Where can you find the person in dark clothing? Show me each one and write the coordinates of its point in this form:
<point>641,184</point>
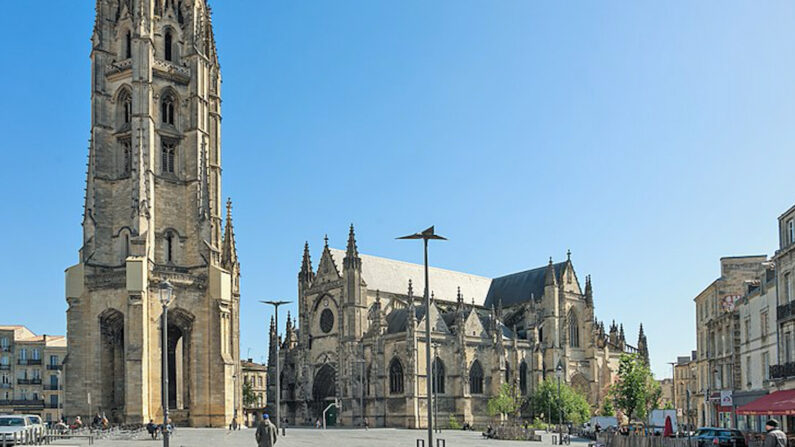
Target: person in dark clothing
<point>151,428</point>
<point>774,436</point>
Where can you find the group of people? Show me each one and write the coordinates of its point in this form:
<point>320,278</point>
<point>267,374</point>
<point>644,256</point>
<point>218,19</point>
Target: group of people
<point>155,429</point>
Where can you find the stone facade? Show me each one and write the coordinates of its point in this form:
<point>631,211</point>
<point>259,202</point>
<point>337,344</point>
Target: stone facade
<point>685,383</point>
<point>718,336</point>
<point>256,376</point>
<point>359,339</point>
<point>30,372</point>
<point>153,212</point>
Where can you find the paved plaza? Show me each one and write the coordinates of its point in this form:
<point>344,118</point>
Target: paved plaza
<point>299,437</point>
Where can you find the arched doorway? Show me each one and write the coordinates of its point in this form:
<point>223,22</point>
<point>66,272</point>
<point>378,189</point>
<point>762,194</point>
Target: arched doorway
<point>111,330</point>
<point>324,391</point>
<point>180,325</point>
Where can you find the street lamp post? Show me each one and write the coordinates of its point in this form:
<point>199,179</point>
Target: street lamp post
<point>427,235</point>
<point>234,399</point>
<point>276,305</point>
<point>436,383</point>
<point>166,292</point>
<point>559,373</point>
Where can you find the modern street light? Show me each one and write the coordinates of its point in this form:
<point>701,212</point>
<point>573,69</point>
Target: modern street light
<point>559,373</point>
<point>427,235</point>
<point>276,305</point>
<point>166,292</point>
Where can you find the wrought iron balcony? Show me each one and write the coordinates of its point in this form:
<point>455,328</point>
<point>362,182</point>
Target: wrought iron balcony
<point>5,386</point>
<point>52,405</point>
<point>782,371</point>
<point>5,367</point>
<point>51,387</point>
<point>29,381</point>
<point>785,311</point>
<point>54,367</point>
<point>22,403</point>
<point>5,348</point>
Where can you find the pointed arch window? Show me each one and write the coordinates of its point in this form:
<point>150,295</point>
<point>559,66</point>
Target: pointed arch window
<point>438,376</point>
<point>523,378</point>
<point>169,247</point>
<point>125,108</point>
<point>167,109</point>
<point>476,378</point>
<point>574,330</point>
<point>507,372</point>
<point>167,157</point>
<point>167,46</point>
<point>395,377</point>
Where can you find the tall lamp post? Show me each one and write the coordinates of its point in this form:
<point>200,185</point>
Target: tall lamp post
<point>427,235</point>
<point>276,305</point>
<point>559,373</point>
<point>436,386</point>
<point>166,292</point>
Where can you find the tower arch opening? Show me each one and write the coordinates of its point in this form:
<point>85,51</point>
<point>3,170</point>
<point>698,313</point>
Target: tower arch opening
<point>112,374</point>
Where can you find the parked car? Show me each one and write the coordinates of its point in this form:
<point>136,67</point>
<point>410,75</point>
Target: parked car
<point>36,425</point>
<point>13,427</point>
<point>719,437</point>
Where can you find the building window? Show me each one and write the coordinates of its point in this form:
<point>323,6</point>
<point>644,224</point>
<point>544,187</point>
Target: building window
<point>476,378</point>
<point>169,247</point>
<point>125,107</point>
<point>128,45</point>
<point>167,159</point>
<point>763,324</point>
<point>574,330</point>
<point>23,354</point>
<point>787,288</point>
<point>748,371</point>
<point>395,377</point>
<point>326,321</point>
<point>4,343</point>
<point>791,231</point>
<point>167,44</point>
<point>523,378</point>
<point>766,365</point>
<point>438,376</point>
<point>36,354</point>
<point>126,161</point>
<point>167,109</point>
<point>747,323</point>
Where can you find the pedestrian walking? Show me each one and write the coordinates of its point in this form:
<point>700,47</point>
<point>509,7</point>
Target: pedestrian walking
<point>774,436</point>
<point>366,424</point>
<point>266,432</point>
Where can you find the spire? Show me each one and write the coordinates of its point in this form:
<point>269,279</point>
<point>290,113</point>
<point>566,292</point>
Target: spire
<point>306,273</point>
<point>643,347</point>
<point>411,296</point>
<point>568,256</point>
<point>621,333</point>
<point>412,310</point>
<point>588,291</point>
<point>459,298</point>
<point>499,308</point>
<point>229,253</point>
<point>352,260</point>
<point>549,276</point>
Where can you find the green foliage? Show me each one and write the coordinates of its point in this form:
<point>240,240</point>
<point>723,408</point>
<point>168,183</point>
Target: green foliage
<point>574,406</point>
<point>249,398</point>
<point>607,407</point>
<point>635,392</point>
<point>453,424</point>
<point>668,406</point>
<point>507,402</point>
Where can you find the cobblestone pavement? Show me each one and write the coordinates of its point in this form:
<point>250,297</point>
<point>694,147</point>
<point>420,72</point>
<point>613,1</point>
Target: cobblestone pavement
<point>299,437</point>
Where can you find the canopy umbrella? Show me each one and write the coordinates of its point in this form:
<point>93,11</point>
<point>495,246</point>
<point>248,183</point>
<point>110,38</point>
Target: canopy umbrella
<point>668,430</point>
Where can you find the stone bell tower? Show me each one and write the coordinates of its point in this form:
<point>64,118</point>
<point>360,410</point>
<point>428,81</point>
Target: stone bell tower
<point>153,212</point>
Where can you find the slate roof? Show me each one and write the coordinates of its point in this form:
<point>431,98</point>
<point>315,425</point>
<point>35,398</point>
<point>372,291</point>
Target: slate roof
<point>519,287</point>
<point>389,275</point>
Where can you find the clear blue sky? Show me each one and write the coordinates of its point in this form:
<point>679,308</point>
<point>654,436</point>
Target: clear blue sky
<point>650,138</point>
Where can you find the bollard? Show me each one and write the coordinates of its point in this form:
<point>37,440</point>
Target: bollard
<point>554,440</point>
<point>420,443</point>
<point>441,442</point>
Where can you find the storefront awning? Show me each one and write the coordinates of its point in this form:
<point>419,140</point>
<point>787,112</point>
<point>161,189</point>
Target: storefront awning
<point>776,403</point>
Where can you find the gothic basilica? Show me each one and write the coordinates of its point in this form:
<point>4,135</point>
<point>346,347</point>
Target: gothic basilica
<point>358,340</point>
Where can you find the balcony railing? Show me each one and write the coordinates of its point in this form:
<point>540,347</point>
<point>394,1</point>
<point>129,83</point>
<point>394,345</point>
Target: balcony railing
<point>22,403</point>
<point>29,362</point>
<point>5,367</point>
<point>54,367</point>
<point>5,348</point>
<point>782,371</point>
<point>50,387</point>
<point>5,386</point>
<point>29,381</point>
<point>52,405</point>
<point>785,311</point>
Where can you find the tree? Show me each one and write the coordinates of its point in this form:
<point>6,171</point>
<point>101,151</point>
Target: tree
<point>249,397</point>
<point>668,406</point>
<point>574,405</point>
<point>635,392</point>
<point>506,402</point>
<point>607,407</point>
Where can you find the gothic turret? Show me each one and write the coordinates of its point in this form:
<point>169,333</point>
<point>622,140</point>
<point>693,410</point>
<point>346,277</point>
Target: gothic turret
<point>352,260</point>
<point>306,275</point>
<point>229,251</point>
<point>643,348</point>
<point>588,291</point>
